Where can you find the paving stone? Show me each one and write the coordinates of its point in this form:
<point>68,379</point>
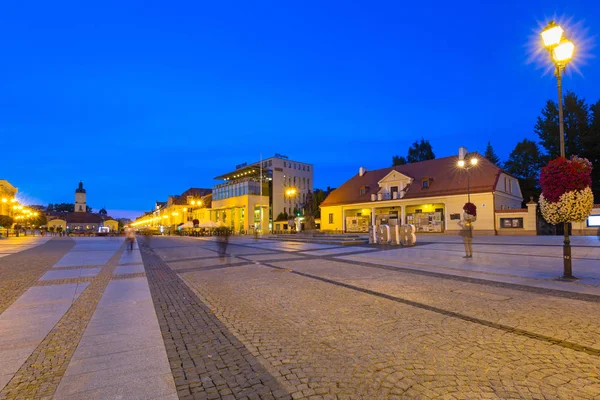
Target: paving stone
<point>196,340</point>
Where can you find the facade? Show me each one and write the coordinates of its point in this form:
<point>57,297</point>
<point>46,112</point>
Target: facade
<point>7,198</point>
<point>178,210</point>
<point>80,199</point>
<point>428,194</point>
<point>237,201</point>
<point>80,220</point>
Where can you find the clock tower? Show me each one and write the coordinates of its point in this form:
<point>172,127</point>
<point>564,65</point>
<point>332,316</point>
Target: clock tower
<point>80,205</point>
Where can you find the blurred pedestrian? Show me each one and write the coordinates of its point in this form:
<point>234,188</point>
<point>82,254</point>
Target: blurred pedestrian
<point>223,241</point>
<point>466,232</point>
<point>130,237</point>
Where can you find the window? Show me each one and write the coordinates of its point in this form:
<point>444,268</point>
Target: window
<point>304,168</point>
<point>425,184</point>
<point>394,189</point>
<point>363,190</point>
<point>270,163</point>
<point>331,218</point>
<point>593,221</point>
<point>308,168</point>
<point>511,223</point>
<point>294,165</point>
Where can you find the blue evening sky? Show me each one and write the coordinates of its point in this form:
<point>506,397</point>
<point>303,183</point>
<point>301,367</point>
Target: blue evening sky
<point>141,99</point>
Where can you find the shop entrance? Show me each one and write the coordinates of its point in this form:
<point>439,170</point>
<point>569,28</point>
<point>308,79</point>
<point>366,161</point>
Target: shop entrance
<point>426,217</point>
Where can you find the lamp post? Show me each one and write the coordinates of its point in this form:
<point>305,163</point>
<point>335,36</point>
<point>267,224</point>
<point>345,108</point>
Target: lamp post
<point>463,165</point>
<point>561,51</point>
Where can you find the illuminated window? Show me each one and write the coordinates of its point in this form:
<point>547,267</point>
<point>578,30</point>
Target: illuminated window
<point>331,218</point>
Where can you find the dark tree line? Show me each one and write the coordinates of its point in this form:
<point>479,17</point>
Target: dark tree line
<point>582,138</point>
<point>419,151</point>
<point>65,207</point>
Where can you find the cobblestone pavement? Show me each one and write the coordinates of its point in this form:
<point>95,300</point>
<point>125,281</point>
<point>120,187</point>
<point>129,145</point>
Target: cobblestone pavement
<point>20,270</point>
<point>86,329</point>
<point>207,360</point>
<point>289,320</point>
<point>325,327</point>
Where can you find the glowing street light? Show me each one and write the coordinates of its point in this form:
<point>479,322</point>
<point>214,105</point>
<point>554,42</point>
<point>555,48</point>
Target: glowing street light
<point>552,34</point>
<point>561,51</point>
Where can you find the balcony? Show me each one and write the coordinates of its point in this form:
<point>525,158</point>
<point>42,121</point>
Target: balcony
<point>387,196</point>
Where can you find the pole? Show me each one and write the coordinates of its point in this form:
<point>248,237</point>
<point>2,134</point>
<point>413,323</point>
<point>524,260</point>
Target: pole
<point>561,126</point>
<point>261,194</point>
<point>468,186</point>
<point>567,266</point>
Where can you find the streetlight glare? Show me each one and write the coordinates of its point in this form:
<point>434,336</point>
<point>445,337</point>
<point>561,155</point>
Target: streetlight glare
<point>474,161</point>
<point>552,34</point>
<point>461,163</point>
<point>563,52</point>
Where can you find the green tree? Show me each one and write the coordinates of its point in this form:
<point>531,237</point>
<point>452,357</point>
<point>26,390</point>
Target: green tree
<point>576,123</point>
<point>525,163</point>
<point>319,196</point>
<point>64,207</point>
<point>40,220</point>
<point>420,151</point>
<point>398,160</point>
<point>491,155</point>
<point>591,147</point>
<point>6,222</point>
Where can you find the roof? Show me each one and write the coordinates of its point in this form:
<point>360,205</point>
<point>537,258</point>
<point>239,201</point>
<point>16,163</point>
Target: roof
<point>445,178</point>
<point>82,218</point>
<point>192,192</point>
<point>80,189</point>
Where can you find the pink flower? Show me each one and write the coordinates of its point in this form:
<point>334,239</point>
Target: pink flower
<point>470,209</point>
<point>561,176</point>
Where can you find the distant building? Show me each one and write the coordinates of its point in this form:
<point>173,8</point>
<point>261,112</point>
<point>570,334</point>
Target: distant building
<point>80,220</point>
<point>237,200</point>
<point>179,210</point>
<point>7,198</point>
<point>430,195</point>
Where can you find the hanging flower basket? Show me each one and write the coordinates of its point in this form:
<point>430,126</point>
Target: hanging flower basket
<point>566,190</point>
<point>470,212</point>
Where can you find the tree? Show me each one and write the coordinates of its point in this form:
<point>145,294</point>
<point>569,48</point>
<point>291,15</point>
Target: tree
<point>576,123</point>
<point>40,220</point>
<point>398,160</point>
<point>6,222</point>
<point>88,209</point>
<point>491,155</point>
<point>420,151</point>
<point>102,211</point>
<point>282,217</point>
<point>318,197</point>
<point>64,207</point>
<point>591,146</point>
<point>524,163</point>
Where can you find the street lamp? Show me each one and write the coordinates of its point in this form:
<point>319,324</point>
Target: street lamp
<point>561,51</point>
<point>463,165</point>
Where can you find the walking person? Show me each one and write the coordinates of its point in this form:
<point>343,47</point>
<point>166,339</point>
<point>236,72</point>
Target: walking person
<point>130,237</point>
<point>223,241</point>
<point>466,232</point>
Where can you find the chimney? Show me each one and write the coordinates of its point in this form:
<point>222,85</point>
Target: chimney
<point>362,171</point>
<point>462,153</point>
